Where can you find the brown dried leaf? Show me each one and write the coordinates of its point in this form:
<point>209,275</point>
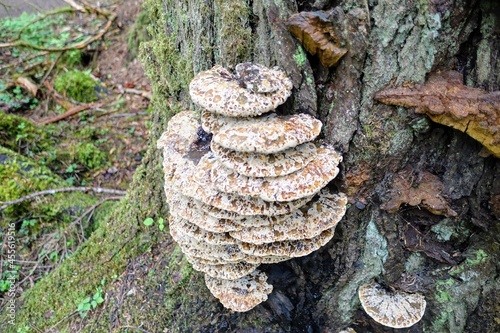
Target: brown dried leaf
<point>424,192</point>
<point>447,101</point>
<point>416,242</point>
<point>316,33</point>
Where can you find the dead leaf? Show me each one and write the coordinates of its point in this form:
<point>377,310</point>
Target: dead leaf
<point>316,33</point>
<point>423,190</point>
<point>415,242</point>
<point>447,101</point>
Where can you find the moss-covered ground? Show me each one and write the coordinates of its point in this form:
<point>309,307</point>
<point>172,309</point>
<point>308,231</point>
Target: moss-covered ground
<point>56,236</point>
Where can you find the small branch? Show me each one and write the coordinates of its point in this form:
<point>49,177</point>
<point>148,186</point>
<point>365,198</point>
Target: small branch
<point>93,207</point>
<point>59,190</point>
<point>75,6</point>
<point>69,113</point>
<point>51,67</point>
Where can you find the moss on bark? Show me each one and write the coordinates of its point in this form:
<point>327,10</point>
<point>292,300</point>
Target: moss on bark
<point>406,40</point>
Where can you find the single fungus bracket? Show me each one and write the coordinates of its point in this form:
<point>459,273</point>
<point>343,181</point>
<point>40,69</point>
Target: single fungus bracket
<point>257,195</point>
<point>395,309</point>
<point>447,101</point>
<point>316,33</point>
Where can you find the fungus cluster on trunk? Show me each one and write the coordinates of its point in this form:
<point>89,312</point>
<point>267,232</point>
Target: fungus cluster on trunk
<point>253,193</point>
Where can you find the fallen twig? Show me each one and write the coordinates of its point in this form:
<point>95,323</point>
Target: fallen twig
<point>59,190</point>
<point>69,113</point>
<point>93,207</point>
<point>51,67</point>
<point>144,93</point>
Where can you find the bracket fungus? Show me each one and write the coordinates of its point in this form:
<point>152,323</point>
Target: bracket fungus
<point>447,101</point>
<point>318,36</point>
<point>259,195</point>
<point>395,309</point>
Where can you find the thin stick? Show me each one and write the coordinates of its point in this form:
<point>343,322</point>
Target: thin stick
<point>93,207</point>
<point>51,67</point>
<point>69,113</point>
<point>59,190</point>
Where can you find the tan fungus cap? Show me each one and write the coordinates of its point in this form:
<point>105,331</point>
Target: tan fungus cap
<point>302,183</point>
<point>268,134</point>
<point>266,165</point>
<point>228,271</point>
<point>192,230</point>
<point>251,91</point>
<point>306,222</point>
<point>192,210</point>
<point>289,248</point>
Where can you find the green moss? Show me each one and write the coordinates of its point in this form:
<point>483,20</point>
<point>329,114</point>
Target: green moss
<point>466,270</point>
<point>442,294</point>
<point>20,176</point>
<point>234,33</point>
<point>18,133</point>
<point>300,56</point>
<point>72,58</point>
<point>87,154</point>
<point>138,34</point>
<point>77,85</point>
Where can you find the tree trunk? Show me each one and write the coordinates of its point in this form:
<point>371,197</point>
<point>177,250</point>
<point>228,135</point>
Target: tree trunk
<point>453,257</point>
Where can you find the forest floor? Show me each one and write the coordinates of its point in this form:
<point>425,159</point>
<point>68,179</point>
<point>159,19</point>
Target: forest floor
<point>74,112</point>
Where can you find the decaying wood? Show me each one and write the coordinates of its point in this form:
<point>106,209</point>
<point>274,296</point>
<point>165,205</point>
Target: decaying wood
<point>446,100</point>
<point>29,86</point>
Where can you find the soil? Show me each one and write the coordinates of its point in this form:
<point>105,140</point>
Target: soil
<point>123,115</point>
<point>115,69</point>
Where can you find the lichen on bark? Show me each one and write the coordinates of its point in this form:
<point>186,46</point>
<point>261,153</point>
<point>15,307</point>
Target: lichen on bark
<point>401,41</point>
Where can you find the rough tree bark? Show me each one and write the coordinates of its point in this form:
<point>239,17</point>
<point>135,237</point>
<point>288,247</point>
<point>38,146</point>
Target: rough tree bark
<point>391,43</point>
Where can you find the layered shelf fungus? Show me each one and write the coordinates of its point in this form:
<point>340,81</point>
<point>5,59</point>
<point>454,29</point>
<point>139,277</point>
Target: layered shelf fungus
<point>316,33</point>
<point>258,194</point>
<point>446,100</point>
<point>395,309</point>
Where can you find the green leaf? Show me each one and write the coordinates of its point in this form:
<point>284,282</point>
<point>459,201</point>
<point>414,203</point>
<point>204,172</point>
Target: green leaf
<point>96,295</point>
<point>99,300</point>
<point>148,221</point>
<point>161,227</point>
<point>94,304</point>
<point>160,220</point>
<point>86,307</point>
<point>87,300</point>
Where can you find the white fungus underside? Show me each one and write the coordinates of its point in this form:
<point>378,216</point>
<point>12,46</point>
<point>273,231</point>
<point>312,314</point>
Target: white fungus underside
<point>397,309</point>
<point>243,294</point>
